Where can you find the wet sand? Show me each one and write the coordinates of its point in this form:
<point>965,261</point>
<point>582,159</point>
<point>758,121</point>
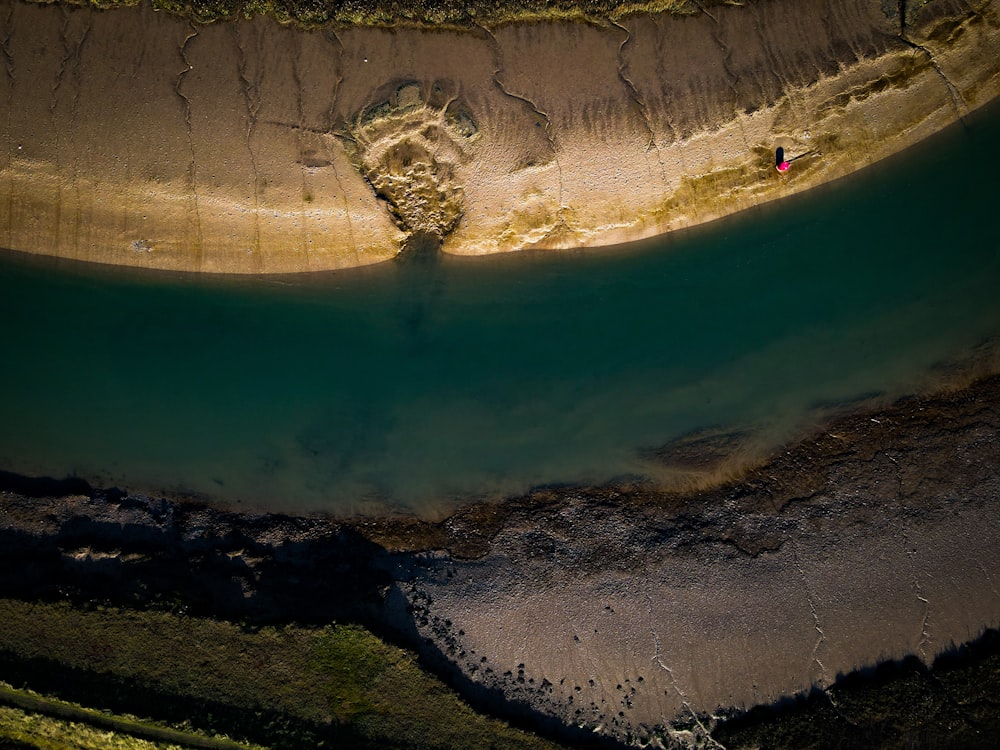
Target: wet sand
<point>135,138</point>
<point>617,611</point>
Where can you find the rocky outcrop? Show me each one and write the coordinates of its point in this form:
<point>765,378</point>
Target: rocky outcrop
<point>67,540</point>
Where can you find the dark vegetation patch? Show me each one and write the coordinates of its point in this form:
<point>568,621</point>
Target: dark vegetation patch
<point>438,13</point>
<point>899,704</point>
<point>121,695</point>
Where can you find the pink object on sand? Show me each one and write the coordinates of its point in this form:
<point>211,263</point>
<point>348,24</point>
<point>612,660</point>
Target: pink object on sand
<point>783,167</point>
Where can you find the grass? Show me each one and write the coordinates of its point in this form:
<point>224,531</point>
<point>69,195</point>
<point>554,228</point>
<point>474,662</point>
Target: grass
<point>30,720</point>
<point>278,687</point>
<point>22,729</point>
<point>435,13</point>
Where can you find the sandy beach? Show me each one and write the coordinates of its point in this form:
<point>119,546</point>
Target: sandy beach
<point>133,137</point>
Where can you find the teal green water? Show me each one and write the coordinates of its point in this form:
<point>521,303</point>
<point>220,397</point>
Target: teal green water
<point>414,384</point>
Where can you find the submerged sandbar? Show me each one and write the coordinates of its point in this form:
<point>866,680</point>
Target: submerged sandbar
<point>139,138</point>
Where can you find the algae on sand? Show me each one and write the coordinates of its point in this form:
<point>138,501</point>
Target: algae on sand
<point>389,13</point>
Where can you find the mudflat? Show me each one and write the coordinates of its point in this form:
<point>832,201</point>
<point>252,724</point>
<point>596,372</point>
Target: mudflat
<point>138,138</point>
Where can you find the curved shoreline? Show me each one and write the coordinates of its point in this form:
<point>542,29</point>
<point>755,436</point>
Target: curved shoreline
<point>248,147</point>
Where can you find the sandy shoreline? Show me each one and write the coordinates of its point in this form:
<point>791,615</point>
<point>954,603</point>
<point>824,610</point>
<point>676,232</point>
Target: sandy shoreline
<point>135,138</point>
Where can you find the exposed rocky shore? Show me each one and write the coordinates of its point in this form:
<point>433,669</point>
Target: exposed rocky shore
<point>250,147</point>
<point>620,611</point>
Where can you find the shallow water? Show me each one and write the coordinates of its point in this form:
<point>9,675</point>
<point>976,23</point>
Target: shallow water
<point>413,384</point>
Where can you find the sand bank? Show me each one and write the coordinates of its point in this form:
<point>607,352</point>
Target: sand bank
<point>136,138</point>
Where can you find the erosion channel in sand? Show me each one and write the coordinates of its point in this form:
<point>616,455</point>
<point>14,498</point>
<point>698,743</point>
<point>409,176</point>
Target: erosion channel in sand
<point>134,137</point>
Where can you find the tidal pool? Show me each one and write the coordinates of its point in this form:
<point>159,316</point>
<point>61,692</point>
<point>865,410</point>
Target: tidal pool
<point>415,384</point>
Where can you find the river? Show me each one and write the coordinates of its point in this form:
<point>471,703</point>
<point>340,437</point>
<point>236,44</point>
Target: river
<point>412,385</point>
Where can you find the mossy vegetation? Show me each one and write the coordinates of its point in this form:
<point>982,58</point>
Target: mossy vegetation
<point>279,687</point>
<point>438,13</point>
<point>710,190</point>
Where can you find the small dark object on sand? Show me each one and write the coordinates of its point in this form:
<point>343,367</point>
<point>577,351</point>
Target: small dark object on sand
<point>779,160</point>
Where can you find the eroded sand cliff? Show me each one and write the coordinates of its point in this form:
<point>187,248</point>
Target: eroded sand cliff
<point>137,138</point>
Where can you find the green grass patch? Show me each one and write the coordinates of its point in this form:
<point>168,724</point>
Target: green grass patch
<point>31,720</point>
<point>282,687</point>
